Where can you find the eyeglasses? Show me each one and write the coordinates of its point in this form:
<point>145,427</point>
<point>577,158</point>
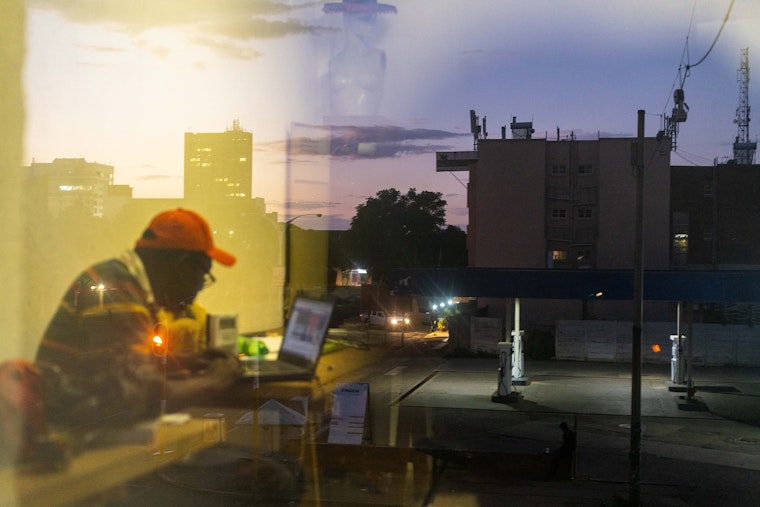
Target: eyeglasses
<point>195,265</point>
<point>208,279</point>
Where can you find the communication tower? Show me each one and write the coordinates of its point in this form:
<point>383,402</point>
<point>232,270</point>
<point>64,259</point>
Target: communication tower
<point>744,149</point>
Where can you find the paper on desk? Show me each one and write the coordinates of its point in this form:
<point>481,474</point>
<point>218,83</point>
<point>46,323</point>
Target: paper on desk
<point>348,414</point>
<point>176,419</point>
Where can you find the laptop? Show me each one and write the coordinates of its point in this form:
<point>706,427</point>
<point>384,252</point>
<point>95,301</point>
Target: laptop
<point>301,345</point>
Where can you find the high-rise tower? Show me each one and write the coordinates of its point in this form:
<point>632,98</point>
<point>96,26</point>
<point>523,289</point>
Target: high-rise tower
<point>218,164</point>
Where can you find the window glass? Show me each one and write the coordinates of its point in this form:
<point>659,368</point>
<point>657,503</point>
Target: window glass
<point>559,213</point>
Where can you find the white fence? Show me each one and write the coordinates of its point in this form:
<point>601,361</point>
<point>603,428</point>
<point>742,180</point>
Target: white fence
<point>610,341</point>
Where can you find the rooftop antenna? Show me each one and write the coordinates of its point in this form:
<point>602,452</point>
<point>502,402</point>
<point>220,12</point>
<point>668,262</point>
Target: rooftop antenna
<point>235,126</point>
<point>521,129</point>
<point>475,128</point>
<point>744,150</point>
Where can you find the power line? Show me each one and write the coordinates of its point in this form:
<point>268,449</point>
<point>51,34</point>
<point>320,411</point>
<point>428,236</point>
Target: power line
<point>725,20</point>
<point>680,109</point>
<point>690,162</point>
<point>684,56</point>
<point>709,50</point>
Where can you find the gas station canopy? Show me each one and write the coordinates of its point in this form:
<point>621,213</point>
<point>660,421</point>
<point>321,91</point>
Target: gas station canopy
<point>692,286</point>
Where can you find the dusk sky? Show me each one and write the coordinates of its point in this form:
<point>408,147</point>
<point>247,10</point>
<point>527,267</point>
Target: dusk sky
<point>120,82</point>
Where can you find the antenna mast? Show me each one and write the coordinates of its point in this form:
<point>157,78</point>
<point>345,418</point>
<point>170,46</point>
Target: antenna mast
<point>477,131</point>
<point>744,150</point>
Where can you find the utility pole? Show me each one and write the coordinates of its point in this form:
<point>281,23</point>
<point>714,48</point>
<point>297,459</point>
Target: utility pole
<point>286,296</point>
<point>634,499</point>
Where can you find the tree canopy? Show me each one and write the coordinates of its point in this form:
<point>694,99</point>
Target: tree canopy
<point>393,230</point>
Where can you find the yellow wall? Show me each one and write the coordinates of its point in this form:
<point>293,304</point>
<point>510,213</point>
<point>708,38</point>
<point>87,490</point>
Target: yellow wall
<point>11,135</point>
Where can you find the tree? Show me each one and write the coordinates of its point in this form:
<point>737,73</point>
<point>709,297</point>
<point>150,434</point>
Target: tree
<point>394,230</point>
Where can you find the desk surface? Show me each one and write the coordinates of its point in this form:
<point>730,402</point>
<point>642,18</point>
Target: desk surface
<point>343,365</point>
<point>98,470</point>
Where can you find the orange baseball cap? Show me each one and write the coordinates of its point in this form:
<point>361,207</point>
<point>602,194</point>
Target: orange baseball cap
<point>182,229</point>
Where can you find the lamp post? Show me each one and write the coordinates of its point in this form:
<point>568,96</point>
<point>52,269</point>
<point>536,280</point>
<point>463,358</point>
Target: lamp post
<point>286,249</point>
<point>100,288</point>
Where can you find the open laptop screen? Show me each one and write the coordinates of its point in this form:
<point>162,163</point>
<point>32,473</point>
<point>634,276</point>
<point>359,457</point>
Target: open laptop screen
<point>306,330</point>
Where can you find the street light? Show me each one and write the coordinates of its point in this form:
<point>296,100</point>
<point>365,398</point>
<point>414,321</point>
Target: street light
<point>286,248</point>
<point>100,288</point>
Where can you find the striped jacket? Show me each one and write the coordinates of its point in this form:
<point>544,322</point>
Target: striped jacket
<point>96,351</point>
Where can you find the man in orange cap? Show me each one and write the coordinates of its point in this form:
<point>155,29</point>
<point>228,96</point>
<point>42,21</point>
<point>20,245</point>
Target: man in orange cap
<point>101,366</point>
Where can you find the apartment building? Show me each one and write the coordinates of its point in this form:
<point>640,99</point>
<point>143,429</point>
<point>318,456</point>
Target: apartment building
<point>568,204</point>
<point>716,216</point>
<point>67,183</point>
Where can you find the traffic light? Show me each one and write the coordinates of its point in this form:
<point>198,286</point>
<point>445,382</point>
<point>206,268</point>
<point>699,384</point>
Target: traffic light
<point>159,342</point>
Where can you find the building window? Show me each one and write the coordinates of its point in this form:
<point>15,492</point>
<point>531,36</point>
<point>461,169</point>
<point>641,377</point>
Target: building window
<point>707,233</point>
<point>680,249</point>
<point>585,169</point>
<point>559,213</point>
<point>588,195</point>
<point>559,170</point>
<point>708,189</point>
<point>556,258</point>
<point>584,213</point>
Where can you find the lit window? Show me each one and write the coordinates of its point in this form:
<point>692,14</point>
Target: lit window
<point>680,249</point>
<point>559,255</point>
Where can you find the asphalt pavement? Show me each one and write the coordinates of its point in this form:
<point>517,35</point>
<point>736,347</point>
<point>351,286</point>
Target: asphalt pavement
<point>698,450</point>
